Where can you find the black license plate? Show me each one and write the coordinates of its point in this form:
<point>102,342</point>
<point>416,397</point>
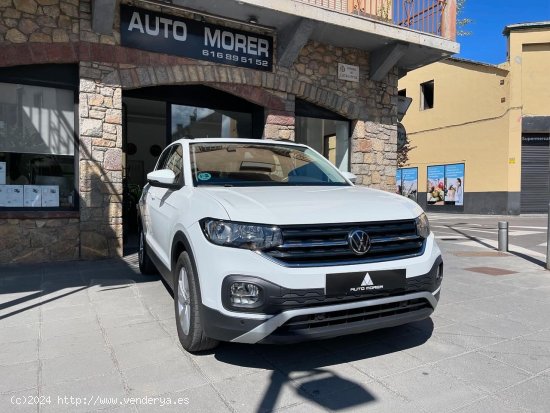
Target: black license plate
<point>365,282</point>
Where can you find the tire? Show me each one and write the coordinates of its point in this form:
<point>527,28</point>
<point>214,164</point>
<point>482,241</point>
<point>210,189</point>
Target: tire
<point>146,266</point>
<point>187,301</point>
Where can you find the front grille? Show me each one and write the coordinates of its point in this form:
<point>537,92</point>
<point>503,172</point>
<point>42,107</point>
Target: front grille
<point>333,318</point>
<point>290,299</point>
<point>327,244</point>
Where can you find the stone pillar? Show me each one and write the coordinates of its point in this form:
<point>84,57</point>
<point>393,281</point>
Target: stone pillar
<point>100,110</point>
<point>280,123</point>
<point>374,154</point>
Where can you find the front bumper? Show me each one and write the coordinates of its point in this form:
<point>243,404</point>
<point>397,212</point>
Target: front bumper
<point>299,315</point>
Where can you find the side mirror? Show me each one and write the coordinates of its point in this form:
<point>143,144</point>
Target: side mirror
<point>350,177</point>
<point>163,178</point>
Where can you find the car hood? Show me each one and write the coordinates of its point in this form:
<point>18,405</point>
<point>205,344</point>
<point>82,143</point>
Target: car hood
<point>311,205</point>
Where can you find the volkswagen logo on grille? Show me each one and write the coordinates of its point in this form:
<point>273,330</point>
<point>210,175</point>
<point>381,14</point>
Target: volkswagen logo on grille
<point>359,241</point>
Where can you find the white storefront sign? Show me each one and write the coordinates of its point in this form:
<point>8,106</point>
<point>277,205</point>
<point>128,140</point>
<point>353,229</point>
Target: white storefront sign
<point>348,72</point>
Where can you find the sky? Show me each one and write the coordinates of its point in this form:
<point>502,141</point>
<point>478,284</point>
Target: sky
<point>486,43</point>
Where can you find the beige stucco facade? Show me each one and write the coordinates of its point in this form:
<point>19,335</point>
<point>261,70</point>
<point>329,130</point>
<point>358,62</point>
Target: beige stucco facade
<point>479,114</point>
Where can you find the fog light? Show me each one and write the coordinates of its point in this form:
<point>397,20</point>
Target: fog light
<point>244,293</point>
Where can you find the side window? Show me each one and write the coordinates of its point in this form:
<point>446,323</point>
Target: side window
<point>161,164</point>
<point>174,162</point>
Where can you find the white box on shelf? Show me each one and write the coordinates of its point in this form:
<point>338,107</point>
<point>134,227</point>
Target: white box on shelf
<point>50,195</point>
<point>2,173</point>
<point>33,196</point>
<point>3,196</point>
<point>15,195</point>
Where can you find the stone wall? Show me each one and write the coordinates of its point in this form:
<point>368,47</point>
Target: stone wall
<point>38,239</point>
<point>39,21</point>
<point>59,31</point>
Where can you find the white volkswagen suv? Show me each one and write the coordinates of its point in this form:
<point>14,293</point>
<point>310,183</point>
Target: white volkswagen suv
<point>265,241</point>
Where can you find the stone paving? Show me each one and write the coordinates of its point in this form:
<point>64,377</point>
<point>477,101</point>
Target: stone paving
<point>104,335</point>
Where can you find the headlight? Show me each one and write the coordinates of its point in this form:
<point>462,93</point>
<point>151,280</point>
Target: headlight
<point>423,226</point>
<point>241,235</point>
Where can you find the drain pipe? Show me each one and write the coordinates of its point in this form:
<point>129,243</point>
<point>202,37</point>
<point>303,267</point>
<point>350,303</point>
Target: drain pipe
<point>503,236</point>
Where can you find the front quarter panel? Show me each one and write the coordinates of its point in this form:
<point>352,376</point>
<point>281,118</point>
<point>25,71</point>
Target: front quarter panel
<point>199,205</point>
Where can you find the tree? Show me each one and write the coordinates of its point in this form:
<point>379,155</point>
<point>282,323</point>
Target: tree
<point>462,21</point>
<point>403,153</point>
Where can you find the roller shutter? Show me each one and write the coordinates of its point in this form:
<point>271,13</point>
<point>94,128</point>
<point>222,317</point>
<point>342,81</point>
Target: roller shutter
<point>535,173</point>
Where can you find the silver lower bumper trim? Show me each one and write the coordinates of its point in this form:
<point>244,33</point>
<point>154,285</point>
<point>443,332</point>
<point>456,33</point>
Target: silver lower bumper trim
<point>265,329</point>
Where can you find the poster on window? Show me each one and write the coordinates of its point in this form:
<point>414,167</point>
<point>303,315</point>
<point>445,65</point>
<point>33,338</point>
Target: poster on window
<point>32,196</point>
<point>2,173</point>
<point>398,183</point>
<point>50,196</point>
<point>436,185</point>
<point>409,183</point>
<point>454,184</point>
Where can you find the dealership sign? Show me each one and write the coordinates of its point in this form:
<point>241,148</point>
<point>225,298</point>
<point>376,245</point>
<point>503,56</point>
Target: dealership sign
<point>162,33</point>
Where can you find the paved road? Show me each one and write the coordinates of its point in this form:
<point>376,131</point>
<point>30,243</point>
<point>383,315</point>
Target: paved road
<point>102,334</point>
<point>527,233</point>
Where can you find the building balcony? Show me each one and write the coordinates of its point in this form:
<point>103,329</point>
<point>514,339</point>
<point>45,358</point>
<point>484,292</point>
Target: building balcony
<point>437,17</point>
<point>406,34</point>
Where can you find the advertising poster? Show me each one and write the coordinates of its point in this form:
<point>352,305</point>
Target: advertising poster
<point>398,183</point>
<point>50,196</point>
<point>454,184</point>
<point>32,195</point>
<point>436,185</point>
<point>2,173</point>
<point>409,179</point>
<point>14,196</point>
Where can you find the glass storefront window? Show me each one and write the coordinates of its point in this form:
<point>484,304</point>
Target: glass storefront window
<point>36,147</point>
<point>326,136</point>
<point>196,122</point>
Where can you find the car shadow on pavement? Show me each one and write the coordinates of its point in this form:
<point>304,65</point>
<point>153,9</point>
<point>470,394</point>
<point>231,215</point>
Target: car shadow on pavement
<point>334,373</point>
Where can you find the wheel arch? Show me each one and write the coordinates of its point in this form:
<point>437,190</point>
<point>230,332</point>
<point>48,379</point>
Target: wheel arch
<point>180,243</point>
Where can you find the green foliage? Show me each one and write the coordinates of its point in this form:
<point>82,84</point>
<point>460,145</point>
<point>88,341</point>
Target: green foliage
<point>461,21</point>
<point>403,154</point>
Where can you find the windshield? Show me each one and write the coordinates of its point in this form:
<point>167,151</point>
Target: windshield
<point>244,164</point>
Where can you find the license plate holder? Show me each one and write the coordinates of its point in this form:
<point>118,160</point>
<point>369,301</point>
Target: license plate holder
<point>365,282</point>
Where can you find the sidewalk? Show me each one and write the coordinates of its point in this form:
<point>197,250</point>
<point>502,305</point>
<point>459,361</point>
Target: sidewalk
<point>101,333</point>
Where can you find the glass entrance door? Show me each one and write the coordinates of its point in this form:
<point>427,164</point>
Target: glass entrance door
<point>197,122</point>
<point>326,136</point>
<point>326,132</point>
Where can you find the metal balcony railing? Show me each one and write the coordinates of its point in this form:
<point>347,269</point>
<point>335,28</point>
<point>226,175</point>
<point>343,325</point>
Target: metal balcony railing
<point>436,17</point>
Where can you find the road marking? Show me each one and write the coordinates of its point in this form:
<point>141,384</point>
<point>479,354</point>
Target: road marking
<point>522,226</point>
<point>544,244</point>
<point>521,233</point>
<point>511,247</point>
<point>492,231</point>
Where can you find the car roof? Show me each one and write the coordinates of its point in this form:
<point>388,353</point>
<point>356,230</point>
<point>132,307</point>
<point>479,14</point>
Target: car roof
<point>237,140</point>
